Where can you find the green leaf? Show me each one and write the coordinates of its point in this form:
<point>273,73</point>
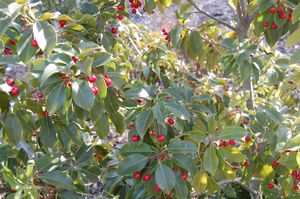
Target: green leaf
<point>143,122</point>
<point>183,147</point>
<point>150,6</point>
<point>232,154</point>
<point>180,187</point>
<point>58,178</point>
<point>13,128</point>
<point>84,155</point>
<point>102,126</point>
<point>118,120</point>
<point>100,83</point>
<point>232,132</point>
<point>88,8</point>
<point>293,38</point>
<point>212,186</point>
<point>134,93</point>
<point>197,135</point>
<point>293,144</point>
<point>4,105</point>
<point>56,98</point>
<point>184,161</point>
<point>296,13</point>
<point>179,111</point>
<point>45,35</point>
<point>69,194</point>
<point>290,160</point>
<point>129,149</point>
<point>101,59</point>
<point>200,181</point>
<point>196,43</point>
<point>159,112</point>
<point>295,58</point>
<point>24,48</point>
<point>132,164</point>
<point>111,101</point>
<point>49,70</point>
<point>82,95</point>
<point>210,160</point>
<point>48,132</point>
<point>164,178</point>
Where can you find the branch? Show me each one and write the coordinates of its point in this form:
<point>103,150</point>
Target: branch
<point>237,181</point>
<point>253,15</point>
<point>134,46</point>
<point>211,16</point>
<point>243,5</point>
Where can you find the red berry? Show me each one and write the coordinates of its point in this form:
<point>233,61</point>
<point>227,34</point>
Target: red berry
<point>107,80</point>
<point>92,78</point>
<point>163,30</point>
<point>95,90</point>
<point>295,173</point>
<point>225,89</point>
<point>165,33</point>
<point>248,138</point>
<point>144,9</point>
<point>133,11</point>
<point>114,31</point>
<point>34,43</point>
<point>14,91</point>
<point>39,94</point>
<point>10,81</point>
<point>131,126</point>
<point>147,177</point>
<point>160,138</point>
<point>295,187</point>
<point>184,176</point>
<point>280,10</point>
<point>170,194</point>
<point>139,101</point>
<point>266,24</point>
<point>75,59</point>
<point>7,51</point>
<point>135,138</point>
<point>298,177</point>
<point>45,113</point>
<point>283,16</point>
<point>137,175</point>
<point>272,10</point>
<point>139,4</point>
<point>13,42</point>
<point>246,164</point>
<point>62,23</point>
<point>232,142</point>
<point>171,121</point>
<point>68,84</point>
<point>120,7</point>
<point>224,143</point>
<point>275,163</point>
<point>120,17</point>
<point>245,121</point>
<point>289,19</point>
<point>271,185</point>
<point>99,157</point>
<point>157,188</point>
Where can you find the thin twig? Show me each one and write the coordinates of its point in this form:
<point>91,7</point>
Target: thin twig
<point>211,16</point>
<point>134,46</point>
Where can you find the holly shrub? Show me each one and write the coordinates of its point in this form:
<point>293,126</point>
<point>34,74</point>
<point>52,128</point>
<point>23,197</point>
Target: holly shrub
<point>210,111</point>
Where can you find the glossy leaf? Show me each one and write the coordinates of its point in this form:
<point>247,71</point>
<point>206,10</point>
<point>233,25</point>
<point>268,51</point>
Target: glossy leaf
<point>164,178</point>
<point>132,164</point>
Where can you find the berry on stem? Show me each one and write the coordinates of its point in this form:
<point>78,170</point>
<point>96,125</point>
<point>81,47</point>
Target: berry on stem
<point>157,188</point>
<point>120,17</point>
<point>246,164</point>
<point>133,11</point>
<point>107,80</point>
<point>34,43</point>
<point>137,175</point>
<point>283,16</point>
<point>7,51</point>
<point>232,142</point>
<point>272,10</point>
<point>184,176</point>
<point>139,101</point>
<point>62,23</point>
<point>99,157</point>
<point>13,42</point>
<point>160,138</point>
<point>280,10</point>
<point>95,90</point>
<point>14,91</point>
<point>92,78</point>
<point>10,81</point>
<point>275,163</point>
<point>171,121</point>
<point>120,7</point>
<point>74,59</point>
<point>266,24</point>
<point>295,187</point>
<point>114,30</point>
<point>135,138</point>
<point>248,138</point>
<point>271,185</point>
<point>147,177</point>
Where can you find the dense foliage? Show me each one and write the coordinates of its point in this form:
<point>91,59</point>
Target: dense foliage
<point>209,111</point>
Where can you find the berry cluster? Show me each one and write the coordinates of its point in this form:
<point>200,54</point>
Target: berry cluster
<point>167,38</point>
<point>282,13</point>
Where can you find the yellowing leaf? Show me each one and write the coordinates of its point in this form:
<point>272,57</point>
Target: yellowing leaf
<point>266,172</point>
<point>293,38</point>
<point>200,181</point>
